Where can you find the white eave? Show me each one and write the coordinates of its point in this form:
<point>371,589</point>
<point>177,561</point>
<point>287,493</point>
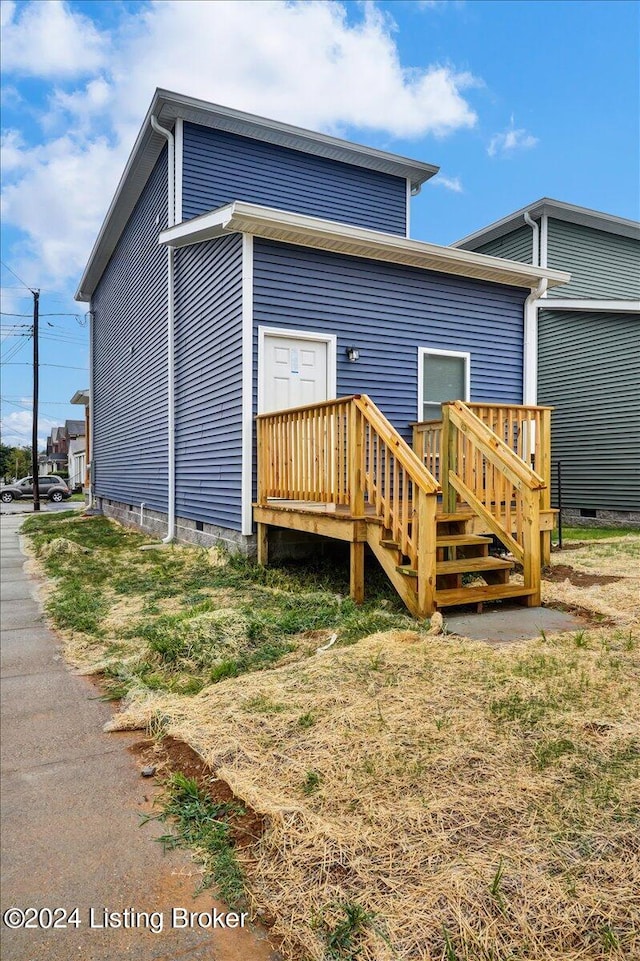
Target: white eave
<point>168,106</point>
<point>291,228</point>
<point>558,210</point>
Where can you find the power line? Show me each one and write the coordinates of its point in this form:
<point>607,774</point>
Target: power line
<point>23,363</point>
<point>11,271</point>
<point>11,399</point>
<point>12,352</point>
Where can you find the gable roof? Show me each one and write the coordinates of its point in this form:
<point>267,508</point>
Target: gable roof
<point>167,107</point>
<point>305,231</point>
<point>559,211</point>
<point>74,428</point>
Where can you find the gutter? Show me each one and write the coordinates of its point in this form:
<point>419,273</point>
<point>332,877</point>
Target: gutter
<point>349,240</point>
<point>530,349</point>
<point>171,374</point>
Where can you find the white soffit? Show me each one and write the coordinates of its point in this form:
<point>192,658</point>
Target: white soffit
<point>290,228</point>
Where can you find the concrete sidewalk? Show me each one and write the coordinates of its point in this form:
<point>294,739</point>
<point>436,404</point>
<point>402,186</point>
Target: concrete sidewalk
<point>71,800</point>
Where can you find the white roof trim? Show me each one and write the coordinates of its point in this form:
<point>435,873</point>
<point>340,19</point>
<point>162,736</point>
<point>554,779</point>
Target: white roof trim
<point>173,105</point>
<point>605,306</point>
<point>290,228</point>
<point>168,107</point>
<point>557,210</point>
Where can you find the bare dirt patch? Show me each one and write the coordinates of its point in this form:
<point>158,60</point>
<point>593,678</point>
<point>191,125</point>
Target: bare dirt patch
<point>563,572</point>
<point>169,755</point>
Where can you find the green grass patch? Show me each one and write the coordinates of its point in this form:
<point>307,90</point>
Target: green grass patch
<point>202,824</point>
<point>344,926</point>
<point>172,620</point>
<point>596,533</point>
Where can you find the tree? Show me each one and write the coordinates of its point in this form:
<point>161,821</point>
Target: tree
<point>14,461</point>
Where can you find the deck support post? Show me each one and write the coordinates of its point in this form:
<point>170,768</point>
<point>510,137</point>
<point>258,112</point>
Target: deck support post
<point>355,448</point>
<point>263,544</point>
<point>449,455</point>
<point>357,571</point>
<point>532,546</point>
<point>545,548</point>
<point>544,469</point>
<point>426,520</point>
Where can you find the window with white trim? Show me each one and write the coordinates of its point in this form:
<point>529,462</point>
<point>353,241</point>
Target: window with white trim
<point>442,375</point>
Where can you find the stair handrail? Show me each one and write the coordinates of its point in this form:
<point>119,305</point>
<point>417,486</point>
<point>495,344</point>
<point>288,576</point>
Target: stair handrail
<point>413,530</point>
<point>529,485</point>
<point>494,448</point>
<point>419,474</point>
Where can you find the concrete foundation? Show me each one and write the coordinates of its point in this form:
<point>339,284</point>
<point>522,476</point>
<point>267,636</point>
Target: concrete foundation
<point>575,517</point>
<point>187,531</point>
<point>284,544</point>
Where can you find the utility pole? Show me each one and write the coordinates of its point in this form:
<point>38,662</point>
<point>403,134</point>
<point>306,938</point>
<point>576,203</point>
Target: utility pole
<point>34,430</point>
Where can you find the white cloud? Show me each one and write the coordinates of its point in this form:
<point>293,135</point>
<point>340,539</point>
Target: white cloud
<point>47,39</point>
<point>12,149</point>
<point>510,140</point>
<point>450,183</point>
<point>15,429</point>
<point>59,202</point>
<point>300,62</point>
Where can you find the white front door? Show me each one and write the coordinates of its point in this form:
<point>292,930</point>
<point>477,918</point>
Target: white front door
<point>294,371</point>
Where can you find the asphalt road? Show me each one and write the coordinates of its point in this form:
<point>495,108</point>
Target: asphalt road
<point>25,506</point>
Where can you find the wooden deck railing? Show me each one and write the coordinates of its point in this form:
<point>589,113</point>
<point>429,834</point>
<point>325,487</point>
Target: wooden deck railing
<point>498,485</point>
<point>427,442</point>
<point>526,429</point>
<point>345,452</point>
<point>303,453</point>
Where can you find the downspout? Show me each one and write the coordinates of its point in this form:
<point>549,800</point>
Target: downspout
<point>530,358</point>
<point>92,456</point>
<point>171,440</point>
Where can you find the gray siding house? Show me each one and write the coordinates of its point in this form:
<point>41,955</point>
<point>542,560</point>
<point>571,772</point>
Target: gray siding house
<point>245,266</point>
<point>588,348</point>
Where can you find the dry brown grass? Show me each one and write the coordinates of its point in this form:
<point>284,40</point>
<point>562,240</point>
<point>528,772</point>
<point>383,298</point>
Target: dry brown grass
<point>438,765</point>
<point>473,803</point>
<point>619,557</point>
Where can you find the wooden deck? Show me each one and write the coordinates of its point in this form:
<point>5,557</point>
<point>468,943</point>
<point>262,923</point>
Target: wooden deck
<point>340,470</point>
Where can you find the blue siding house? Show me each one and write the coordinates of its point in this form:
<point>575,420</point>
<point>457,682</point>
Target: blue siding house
<point>247,265</point>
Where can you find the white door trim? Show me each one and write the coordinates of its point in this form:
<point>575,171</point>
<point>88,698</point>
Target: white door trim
<point>464,354</point>
<point>332,350</point>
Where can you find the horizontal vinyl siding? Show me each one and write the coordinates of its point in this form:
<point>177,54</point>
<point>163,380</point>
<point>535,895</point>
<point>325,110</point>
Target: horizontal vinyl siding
<point>129,400</point>
<point>589,370</point>
<point>387,311</point>
<point>220,167</point>
<point>209,382</point>
<point>517,245</point>
<point>603,266</point>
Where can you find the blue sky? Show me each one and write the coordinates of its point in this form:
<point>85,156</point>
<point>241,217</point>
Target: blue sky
<point>514,101</point>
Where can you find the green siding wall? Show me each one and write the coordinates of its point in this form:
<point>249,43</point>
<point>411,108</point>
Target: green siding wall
<point>518,245</point>
<point>589,370</point>
<point>603,266</point>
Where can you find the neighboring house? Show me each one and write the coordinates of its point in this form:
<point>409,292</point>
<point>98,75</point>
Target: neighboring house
<point>249,266</point>
<point>57,442</point>
<point>75,432</point>
<point>588,350</point>
<point>54,459</point>
<point>64,445</point>
<point>82,455</point>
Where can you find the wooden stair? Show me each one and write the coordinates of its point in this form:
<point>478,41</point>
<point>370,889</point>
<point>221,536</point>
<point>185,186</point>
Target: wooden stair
<point>341,470</point>
<point>458,553</point>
